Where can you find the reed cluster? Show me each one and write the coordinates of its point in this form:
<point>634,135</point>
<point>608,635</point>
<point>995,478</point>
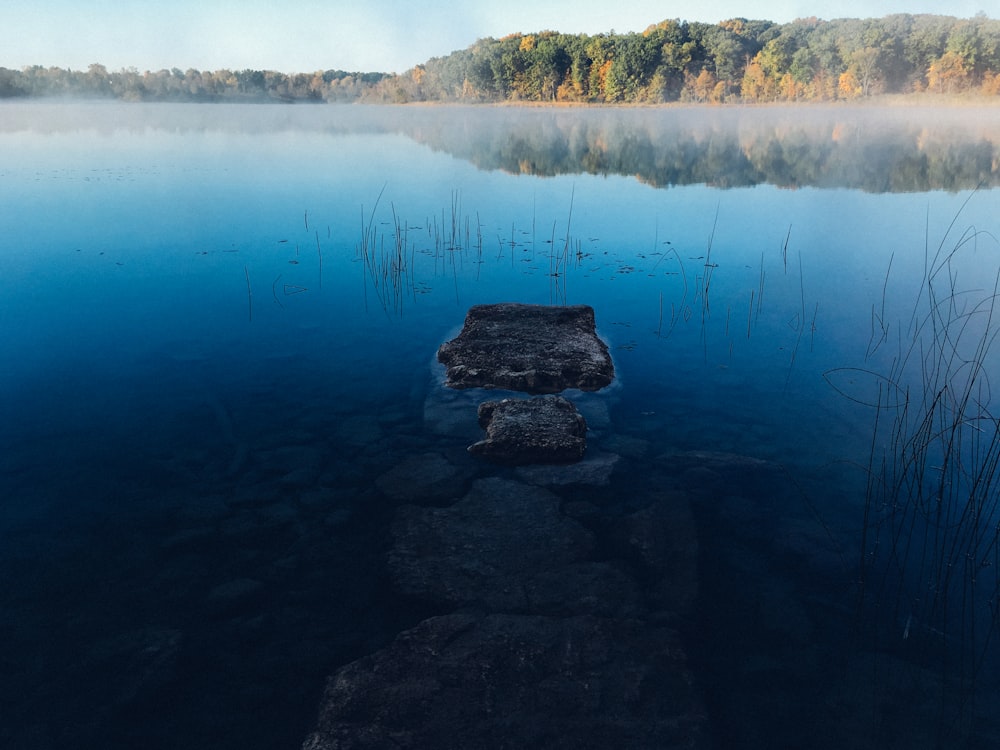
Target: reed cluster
<point>929,554</point>
<point>387,268</point>
<point>454,238</point>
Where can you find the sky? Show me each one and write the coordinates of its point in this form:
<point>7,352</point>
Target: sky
<point>297,36</point>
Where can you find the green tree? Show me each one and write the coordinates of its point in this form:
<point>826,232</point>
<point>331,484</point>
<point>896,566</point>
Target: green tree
<point>10,84</point>
<point>866,66</point>
<point>675,55</point>
<point>924,44</point>
<point>97,81</point>
<point>600,50</point>
<point>547,64</point>
<point>965,41</point>
<point>727,48</point>
<point>635,60</point>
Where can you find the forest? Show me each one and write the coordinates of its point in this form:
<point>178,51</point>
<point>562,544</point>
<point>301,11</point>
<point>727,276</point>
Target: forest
<point>737,60</point>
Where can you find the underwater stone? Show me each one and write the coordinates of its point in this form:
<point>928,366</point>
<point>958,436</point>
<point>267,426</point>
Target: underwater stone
<point>530,348</point>
<point>427,477</point>
<point>482,549</point>
<point>502,681</point>
<point>542,430</point>
<point>594,470</point>
<point>143,662</point>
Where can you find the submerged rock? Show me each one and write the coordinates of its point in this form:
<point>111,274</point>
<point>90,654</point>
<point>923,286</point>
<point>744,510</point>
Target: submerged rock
<point>544,430</point>
<point>427,477</point>
<point>483,549</point>
<point>529,348</point>
<point>516,681</point>
<point>595,470</point>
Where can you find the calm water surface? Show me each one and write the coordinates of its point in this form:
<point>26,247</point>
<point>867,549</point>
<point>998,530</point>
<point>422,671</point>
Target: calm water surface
<point>218,328</point>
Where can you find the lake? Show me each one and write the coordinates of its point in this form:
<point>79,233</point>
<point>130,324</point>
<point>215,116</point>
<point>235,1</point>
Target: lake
<point>219,326</point>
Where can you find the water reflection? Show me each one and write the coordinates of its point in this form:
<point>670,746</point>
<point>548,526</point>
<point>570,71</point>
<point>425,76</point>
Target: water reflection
<point>223,317</point>
<point>883,150</point>
<point>875,149</point>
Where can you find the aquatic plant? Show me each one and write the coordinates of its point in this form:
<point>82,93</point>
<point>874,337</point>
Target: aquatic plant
<point>246,273</point>
<point>386,269</point>
<point>929,553</point>
<point>389,269</point>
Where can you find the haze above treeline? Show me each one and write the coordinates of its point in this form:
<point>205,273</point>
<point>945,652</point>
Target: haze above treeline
<point>736,60</point>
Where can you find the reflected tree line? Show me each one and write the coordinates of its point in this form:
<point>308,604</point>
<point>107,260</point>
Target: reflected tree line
<point>883,150</point>
<point>733,60</point>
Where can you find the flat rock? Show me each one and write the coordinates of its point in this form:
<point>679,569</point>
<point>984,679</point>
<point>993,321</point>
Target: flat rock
<point>427,477</point>
<point>719,461</point>
<point>529,348</point>
<point>595,470</point>
<point>664,537</point>
<point>585,588</point>
<point>485,548</point>
<point>542,430</point>
<point>516,681</point>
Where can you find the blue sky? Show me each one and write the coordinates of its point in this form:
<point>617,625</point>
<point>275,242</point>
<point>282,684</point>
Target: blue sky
<point>366,35</point>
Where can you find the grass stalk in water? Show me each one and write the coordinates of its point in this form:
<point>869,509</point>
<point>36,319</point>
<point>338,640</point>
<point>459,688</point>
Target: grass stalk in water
<point>929,558</point>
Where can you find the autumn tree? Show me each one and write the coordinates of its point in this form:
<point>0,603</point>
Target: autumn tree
<point>991,83</point>
<point>632,66</point>
<point>924,44</point>
<point>702,88</point>
<point>676,53</point>
<point>547,64</point>
<point>728,47</point>
<point>756,60</point>
<point>949,74</point>
<point>755,84</point>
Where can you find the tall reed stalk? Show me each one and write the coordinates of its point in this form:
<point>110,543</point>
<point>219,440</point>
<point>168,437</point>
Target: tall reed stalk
<point>929,557</point>
<point>386,268</point>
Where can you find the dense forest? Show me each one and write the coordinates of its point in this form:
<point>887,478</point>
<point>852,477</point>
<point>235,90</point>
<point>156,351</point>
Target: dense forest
<point>734,60</point>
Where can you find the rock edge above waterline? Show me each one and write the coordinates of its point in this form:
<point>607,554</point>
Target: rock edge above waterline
<point>540,430</point>
<point>535,349</point>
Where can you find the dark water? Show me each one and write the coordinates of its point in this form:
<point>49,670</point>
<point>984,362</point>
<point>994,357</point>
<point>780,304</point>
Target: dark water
<point>204,381</point>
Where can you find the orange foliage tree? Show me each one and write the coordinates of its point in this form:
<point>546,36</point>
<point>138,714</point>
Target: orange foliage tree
<point>948,74</point>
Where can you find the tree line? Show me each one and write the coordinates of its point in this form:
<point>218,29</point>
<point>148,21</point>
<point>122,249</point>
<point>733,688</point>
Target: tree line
<point>733,60</point>
<point>190,85</point>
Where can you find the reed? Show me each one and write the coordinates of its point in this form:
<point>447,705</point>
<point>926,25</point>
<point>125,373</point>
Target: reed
<point>705,283</point>
<point>798,323</point>
<point>319,253</point>
<point>389,266</point>
<point>929,553</point>
<point>784,249</point>
<point>246,272</point>
<point>760,288</point>
<point>274,291</point>
<point>680,311</point>
<point>879,326</point>
<point>384,268</point>
<point>659,321</point>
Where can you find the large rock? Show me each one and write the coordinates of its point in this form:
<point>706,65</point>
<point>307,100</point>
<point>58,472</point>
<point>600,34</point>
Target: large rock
<point>529,348</point>
<point>427,478</point>
<point>485,548</point>
<point>516,681</point>
<point>543,430</point>
<point>595,470</point>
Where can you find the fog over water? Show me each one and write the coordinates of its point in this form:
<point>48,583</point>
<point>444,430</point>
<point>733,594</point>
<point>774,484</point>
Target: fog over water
<point>219,327</point>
